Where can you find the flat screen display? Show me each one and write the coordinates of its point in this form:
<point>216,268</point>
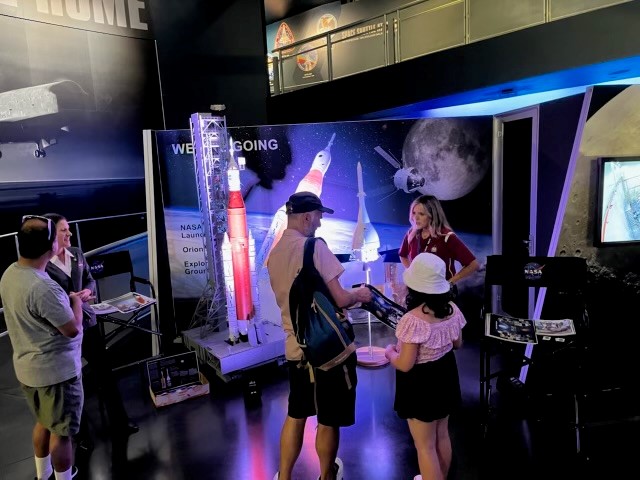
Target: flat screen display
<point>618,218</point>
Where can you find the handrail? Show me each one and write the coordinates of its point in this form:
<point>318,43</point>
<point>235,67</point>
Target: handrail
<point>346,27</point>
<point>91,252</point>
<point>118,243</point>
<point>11,234</point>
<point>392,22</point>
<point>279,56</point>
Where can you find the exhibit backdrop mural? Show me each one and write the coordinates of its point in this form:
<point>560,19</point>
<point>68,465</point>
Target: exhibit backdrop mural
<point>398,159</point>
<point>72,114</point>
<point>612,131</point>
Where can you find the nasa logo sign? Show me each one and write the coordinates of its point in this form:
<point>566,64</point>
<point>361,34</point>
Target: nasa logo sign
<point>97,267</point>
<point>533,271</point>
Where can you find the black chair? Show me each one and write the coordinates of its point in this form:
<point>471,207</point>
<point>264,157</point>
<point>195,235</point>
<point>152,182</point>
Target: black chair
<point>116,269</point>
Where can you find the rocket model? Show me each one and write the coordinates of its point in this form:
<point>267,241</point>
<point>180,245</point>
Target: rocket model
<point>365,238</point>
<point>236,245</point>
<point>312,182</point>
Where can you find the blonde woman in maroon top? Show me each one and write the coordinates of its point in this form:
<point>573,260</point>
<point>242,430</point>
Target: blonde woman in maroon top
<point>424,361</point>
<point>430,232</point>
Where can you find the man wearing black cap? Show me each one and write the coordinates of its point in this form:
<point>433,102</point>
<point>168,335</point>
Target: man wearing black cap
<point>45,328</point>
<point>332,396</point>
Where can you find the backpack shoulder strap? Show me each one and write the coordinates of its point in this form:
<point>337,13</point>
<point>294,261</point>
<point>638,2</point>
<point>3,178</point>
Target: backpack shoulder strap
<point>309,249</point>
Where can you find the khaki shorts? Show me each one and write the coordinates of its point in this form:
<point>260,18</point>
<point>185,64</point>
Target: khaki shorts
<point>57,407</point>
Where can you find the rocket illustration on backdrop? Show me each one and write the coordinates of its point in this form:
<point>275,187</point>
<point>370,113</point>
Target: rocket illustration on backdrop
<point>312,182</point>
<point>365,238</point>
<point>238,251</point>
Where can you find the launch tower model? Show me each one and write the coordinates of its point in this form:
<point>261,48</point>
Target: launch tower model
<point>211,158</point>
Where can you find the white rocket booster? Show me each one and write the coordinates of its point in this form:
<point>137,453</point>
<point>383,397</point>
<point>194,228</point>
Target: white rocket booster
<point>312,182</point>
<point>365,238</point>
<point>227,265</point>
<point>256,323</point>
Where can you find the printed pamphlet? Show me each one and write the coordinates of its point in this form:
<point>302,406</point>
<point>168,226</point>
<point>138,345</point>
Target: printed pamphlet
<point>127,303</point>
<point>524,330</point>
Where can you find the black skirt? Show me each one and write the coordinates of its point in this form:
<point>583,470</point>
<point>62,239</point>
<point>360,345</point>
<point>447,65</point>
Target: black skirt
<point>429,391</point>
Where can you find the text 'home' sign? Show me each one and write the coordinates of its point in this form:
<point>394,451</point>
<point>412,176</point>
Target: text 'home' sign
<point>121,17</point>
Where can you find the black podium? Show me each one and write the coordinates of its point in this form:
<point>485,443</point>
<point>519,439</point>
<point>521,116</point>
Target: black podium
<point>556,363</point>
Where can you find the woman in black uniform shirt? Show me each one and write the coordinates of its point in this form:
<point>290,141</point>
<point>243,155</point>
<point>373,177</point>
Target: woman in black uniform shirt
<point>70,270</point>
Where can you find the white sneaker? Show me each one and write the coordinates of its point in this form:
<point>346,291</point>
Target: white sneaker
<point>340,471</point>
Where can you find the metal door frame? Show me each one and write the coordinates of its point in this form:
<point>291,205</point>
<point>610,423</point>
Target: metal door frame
<point>532,112</point>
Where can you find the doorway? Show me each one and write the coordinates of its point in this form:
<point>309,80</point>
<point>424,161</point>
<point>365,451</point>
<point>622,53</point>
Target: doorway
<point>515,182</point>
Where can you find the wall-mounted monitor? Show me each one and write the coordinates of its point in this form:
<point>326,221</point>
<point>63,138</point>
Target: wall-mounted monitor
<point>618,216</point>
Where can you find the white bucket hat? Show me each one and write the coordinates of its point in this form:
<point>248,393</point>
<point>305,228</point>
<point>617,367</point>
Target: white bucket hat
<point>427,274</point>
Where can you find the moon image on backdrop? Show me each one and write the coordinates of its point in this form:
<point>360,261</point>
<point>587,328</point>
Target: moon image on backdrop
<point>449,153</point>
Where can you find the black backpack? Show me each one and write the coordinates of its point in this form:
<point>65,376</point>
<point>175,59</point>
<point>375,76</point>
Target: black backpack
<point>323,332</point>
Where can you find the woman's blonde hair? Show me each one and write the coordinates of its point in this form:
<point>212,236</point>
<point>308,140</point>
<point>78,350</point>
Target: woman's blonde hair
<point>434,209</point>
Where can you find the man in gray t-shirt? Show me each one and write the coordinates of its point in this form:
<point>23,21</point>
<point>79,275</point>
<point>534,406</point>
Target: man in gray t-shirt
<point>45,328</point>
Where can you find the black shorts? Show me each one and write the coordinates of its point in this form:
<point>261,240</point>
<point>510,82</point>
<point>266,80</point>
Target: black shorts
<point>441,383</point>
<point>332,397</point>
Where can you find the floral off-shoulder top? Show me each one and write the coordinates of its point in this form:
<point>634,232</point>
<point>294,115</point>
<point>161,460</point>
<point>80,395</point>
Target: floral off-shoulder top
<point>434,339</point>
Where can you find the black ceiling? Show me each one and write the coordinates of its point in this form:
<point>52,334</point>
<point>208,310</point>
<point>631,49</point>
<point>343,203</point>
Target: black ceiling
<point>276,10</point>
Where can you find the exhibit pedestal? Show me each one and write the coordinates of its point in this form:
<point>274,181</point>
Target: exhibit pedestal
<point>230,360</point>
<point>371,356</point>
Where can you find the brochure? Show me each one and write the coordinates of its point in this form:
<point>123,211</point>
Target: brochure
<point>521,330</point>
<point>510,329</point>
<point>555,328</point>
<point>127,303</point>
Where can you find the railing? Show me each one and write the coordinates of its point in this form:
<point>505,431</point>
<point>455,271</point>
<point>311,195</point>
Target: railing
<point>101,233</point>
<point>416,29</point>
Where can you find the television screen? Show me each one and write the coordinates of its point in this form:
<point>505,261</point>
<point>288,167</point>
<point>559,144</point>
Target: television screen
<point>618,201</point>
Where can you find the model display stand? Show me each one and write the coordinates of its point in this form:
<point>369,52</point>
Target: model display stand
<point>371,356</point>
<point>561,282</point>
<point>127,303</point>
<point>229,361</point>
<point>389,313</point>
<point>175,379</point>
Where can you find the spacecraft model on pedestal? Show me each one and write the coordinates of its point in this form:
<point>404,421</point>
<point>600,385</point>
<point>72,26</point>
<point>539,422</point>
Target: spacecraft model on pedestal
<point>312,182</point>
<point>364,248</point>
<point>238,248</point>
<point>365,238</point>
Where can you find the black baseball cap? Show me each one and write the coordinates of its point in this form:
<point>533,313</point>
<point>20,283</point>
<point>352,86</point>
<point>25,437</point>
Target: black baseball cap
<point>303,202</point>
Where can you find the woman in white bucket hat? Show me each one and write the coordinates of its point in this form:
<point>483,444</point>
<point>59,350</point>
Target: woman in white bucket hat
<point>424,361</point>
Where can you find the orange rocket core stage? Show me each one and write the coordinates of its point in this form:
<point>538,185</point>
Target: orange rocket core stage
<point>239,239</point>
<point>312,182</point>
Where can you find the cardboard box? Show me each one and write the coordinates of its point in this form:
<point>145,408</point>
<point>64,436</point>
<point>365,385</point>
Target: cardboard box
<point>179,394</point>
<point>175,378</point>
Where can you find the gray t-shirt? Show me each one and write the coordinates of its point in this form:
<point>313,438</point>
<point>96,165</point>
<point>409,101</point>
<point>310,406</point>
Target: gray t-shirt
<point>34,305</point>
